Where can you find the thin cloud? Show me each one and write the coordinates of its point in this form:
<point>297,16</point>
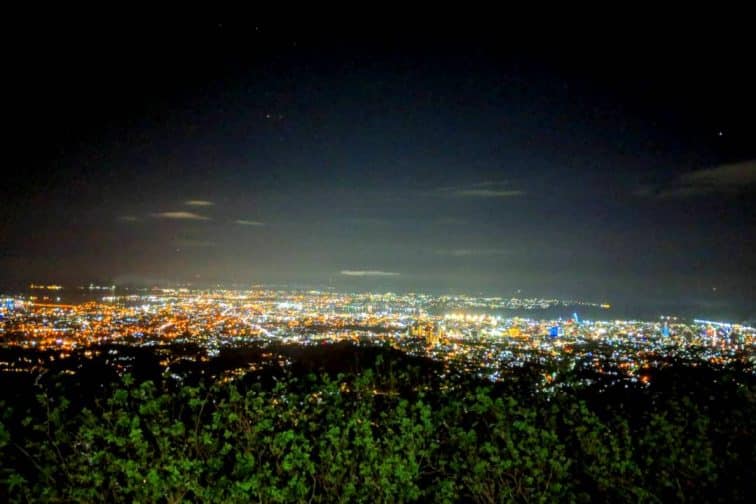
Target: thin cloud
<point>727,176</point>
<point>723,180</point>
<point>489,189</point>
<point>244,222</point>
<point>367,221</point>
<point>365,273</point>
<point>451,221</point>
<point>129,218</point>
<point>488,193</point>
<point>199,203</point>
<point>180,215</point>
<point>196,243</point>
<point>466,252</point>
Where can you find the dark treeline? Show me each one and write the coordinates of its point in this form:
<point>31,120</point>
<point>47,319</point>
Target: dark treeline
<point>355,424</point>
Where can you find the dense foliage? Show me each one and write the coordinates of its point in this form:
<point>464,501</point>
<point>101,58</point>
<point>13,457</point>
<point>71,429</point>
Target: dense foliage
<point>382,434</point>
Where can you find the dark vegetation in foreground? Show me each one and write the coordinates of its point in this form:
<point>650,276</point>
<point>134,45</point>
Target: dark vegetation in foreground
<point>372,425</point>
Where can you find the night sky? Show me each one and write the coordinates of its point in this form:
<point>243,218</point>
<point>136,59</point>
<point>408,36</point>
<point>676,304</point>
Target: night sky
<point>617,165</point>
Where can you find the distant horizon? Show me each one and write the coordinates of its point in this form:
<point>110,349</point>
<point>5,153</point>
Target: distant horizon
<point>640,308</point>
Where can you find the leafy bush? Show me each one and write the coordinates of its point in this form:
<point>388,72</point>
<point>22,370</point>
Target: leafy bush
<point>370,437</point>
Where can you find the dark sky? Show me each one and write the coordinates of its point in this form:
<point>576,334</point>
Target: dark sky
<point>603,164</point>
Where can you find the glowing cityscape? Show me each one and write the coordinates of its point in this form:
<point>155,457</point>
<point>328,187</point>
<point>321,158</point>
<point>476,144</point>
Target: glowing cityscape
<point>466,333</point>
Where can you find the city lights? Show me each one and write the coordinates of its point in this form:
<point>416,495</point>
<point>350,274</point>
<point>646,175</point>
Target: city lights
<point>467,333</point>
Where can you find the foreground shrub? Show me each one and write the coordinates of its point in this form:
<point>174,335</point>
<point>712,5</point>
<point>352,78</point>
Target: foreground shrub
<point>367,438</point>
